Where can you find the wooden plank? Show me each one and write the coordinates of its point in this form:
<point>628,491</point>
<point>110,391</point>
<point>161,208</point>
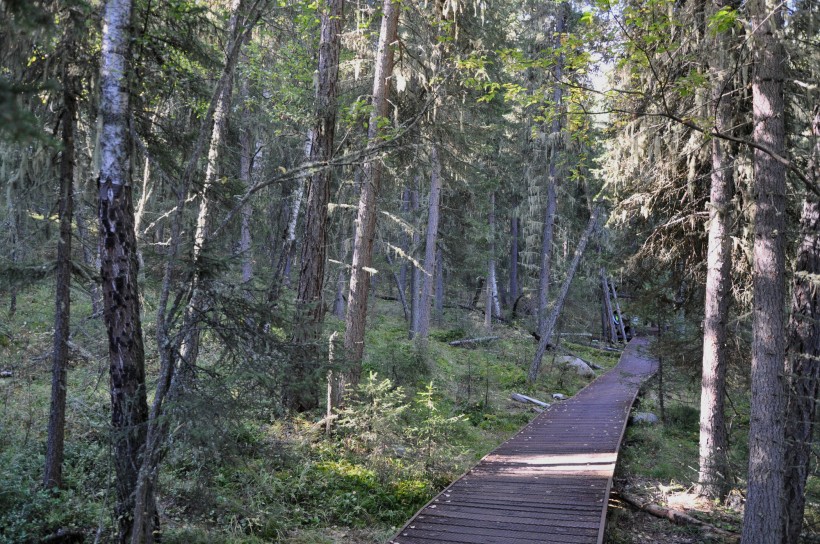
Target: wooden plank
<point>548,484</point>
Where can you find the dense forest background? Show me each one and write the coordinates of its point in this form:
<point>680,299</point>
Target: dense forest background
<point>270,269</point>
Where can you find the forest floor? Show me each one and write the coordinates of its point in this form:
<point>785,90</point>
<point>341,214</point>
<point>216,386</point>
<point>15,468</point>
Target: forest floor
<point>240,471</point>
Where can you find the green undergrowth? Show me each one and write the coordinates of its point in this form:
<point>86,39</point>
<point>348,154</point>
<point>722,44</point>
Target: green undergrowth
<point>237,469</point>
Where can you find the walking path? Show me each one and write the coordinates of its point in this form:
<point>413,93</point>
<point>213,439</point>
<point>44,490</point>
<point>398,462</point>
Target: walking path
<point>549,484</point>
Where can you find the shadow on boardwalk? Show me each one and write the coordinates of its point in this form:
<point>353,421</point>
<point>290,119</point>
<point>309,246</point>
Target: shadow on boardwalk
<point>549,484</point>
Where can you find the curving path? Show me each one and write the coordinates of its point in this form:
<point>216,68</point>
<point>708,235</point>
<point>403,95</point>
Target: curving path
<point>548,484</point>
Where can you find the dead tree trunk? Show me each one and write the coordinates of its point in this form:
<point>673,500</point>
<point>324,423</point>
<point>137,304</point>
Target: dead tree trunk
<point>546,334</point>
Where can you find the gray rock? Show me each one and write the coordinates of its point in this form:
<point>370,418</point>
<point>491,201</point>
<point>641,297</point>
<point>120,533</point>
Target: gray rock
<point>644,418</point>
<point>559,396</point>
<point>578,365</point>
<point>5,374</point>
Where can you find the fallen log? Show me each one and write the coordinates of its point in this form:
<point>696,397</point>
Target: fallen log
<point>466,341</point>
<point>524,398</point>
<point>675,516</point>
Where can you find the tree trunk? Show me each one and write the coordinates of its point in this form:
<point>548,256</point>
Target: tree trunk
<point>553,180</point>
<point>129,408</point>
<point>713,476</point>
<point>546,257</point>
<point>546,334</point>
<point>430,248</point>
<point>283,266</point>
<point>407,241</point>
<point>310,312</point>
<point>762,519</point>
<point>366,218</point>
<point>610,326</point>
<point>415,273</point>
<point>514,289</point>
<point>197,305</point>
<point>53,474</point>
<point>492,280</point>
<point>439,296</point>
<point>246,149</point>
<point>621,327</point>
<point>399,284</point>
<point>803,361</point>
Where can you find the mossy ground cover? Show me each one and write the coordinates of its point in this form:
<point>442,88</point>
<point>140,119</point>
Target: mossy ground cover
<point>257,475</point>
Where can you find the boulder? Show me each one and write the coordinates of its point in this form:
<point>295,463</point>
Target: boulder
<point>644,418</point>
<point>578,365</point>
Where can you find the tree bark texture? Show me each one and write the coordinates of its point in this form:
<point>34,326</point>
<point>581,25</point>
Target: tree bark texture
<point>713,475</point>
<point>53,474</point>
<point>762,519</point>
<point>430,247</point>
<point>514,288</point>
<point>310,311</point>
<point>549,329</point>
<point>129,408</point>
<point>803,357</point>
<point>366,218</point>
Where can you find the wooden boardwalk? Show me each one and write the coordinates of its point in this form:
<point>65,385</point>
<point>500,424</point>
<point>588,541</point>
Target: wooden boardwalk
<point>550,483</point>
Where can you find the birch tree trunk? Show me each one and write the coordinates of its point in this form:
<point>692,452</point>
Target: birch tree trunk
<point>714,447</point>
<point>762,519</point>
<point>803,361</point>
<point>310,311</point>
<point>546,334</point>
<point>53,474</point>
<point>430,248</point>
<point>129,408</point>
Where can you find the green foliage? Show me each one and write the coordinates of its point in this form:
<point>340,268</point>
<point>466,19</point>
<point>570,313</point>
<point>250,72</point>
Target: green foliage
<point>28,512</point>
<point>371,415</point>
<point>433,428</point>
<point>723,20</point>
